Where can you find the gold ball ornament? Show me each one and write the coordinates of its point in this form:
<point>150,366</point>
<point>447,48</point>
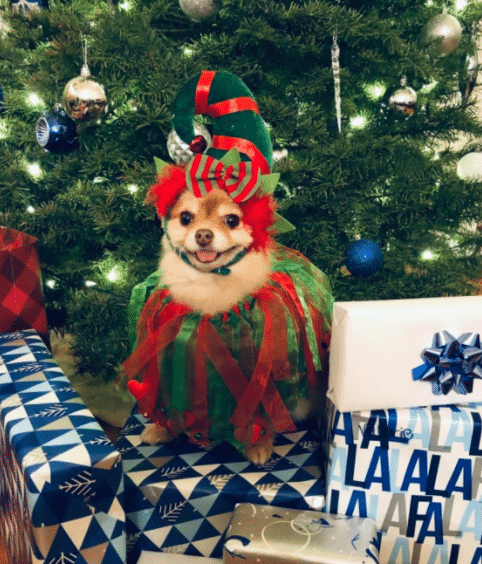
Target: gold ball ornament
<point>84,99</point>
<point>443,33</point>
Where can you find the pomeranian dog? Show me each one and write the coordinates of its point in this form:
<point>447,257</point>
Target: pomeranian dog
<point>210,233</point>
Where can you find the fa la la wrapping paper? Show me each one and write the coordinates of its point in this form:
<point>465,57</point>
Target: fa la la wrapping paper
<point>417,473</point>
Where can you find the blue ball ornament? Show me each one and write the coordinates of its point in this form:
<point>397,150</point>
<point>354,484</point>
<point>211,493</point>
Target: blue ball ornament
<point>363,257</point>
<point>57,132</point>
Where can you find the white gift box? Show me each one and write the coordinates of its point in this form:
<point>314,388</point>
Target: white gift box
<point>376,344</point>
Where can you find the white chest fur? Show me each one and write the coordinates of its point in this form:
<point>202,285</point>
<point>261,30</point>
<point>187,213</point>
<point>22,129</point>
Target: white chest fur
<point>210,293</point>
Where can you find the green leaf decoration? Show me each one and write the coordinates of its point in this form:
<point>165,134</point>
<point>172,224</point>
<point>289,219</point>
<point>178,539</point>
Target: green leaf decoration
<point>269,182</point>
<point>282,225</point>
<point>232,157</point>
<point>160,164</point>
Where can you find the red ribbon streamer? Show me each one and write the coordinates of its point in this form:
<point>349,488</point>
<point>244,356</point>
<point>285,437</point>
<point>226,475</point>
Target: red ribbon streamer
<point>226,143</point>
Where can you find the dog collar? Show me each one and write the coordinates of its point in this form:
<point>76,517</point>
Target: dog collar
<point>222,270</point>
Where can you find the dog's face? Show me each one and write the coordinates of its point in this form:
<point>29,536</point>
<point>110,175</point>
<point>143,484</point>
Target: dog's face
<point>209,230</point>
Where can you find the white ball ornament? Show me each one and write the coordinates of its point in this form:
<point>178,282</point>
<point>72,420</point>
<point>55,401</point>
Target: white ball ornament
<point>199,10</point>
<point>444,33</point>
<point>470,167</point>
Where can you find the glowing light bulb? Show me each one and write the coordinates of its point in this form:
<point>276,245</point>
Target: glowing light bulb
<point>132,188</point>
<point>34,170</point>
<point>50,283</point>
<point>90,283</point>
<point>188,51</point>
<point>427,255</point>
<point>279,155</point>
<point>358,122</point>
<point>460,4</point>
<point>34,99</point>
<point>113,275</point>
<point>125,5</point>
<point>376,90</point>
<point>3,130</point>
<point>31,209</point>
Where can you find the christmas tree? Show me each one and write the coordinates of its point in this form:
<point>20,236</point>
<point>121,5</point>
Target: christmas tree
<point>366,103</point>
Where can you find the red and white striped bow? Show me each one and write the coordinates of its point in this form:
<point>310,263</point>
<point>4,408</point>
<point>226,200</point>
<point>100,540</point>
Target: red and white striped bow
<point>240,180</point>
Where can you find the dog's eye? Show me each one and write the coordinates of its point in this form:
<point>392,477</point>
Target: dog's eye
<point>231,220</point>
<point>186,218</point>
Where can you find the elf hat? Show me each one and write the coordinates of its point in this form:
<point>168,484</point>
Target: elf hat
<point>240,157</point>
<point>236,120</point>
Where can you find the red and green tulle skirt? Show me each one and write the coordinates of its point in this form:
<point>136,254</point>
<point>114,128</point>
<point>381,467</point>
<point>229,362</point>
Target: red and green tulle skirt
<point>234,376</point>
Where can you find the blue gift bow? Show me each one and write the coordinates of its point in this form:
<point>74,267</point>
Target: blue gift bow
<point>451,363</point>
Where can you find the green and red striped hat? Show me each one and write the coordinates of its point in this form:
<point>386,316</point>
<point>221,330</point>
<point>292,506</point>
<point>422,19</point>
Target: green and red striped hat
<point>236,120</point>
<point>240,156</point>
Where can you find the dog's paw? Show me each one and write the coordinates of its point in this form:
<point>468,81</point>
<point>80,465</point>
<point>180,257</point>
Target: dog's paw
<point>259,454</point>
<point>154,435</point>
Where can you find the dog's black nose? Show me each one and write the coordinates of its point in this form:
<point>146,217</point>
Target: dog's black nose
<point>204,237</point>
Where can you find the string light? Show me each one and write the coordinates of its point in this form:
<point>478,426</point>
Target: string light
<point>50,283</point>
<point>279,155</point>
<point>113,275</point>
<point>358,122</point>
<point>125,5</point>
<point>375,91</point>
<point>31,209</point>
<point>33,169</point>
<point>90,283</point>
<point>427,255</point>
<point>3,130</point>
<point>460,4</point>
<point>132,188</point>
<point>34,100</point>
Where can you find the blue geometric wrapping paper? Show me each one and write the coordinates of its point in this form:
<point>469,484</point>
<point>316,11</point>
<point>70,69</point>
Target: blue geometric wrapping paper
<point>179,497</point>
<point>61,479</point>
<point>417,472</point>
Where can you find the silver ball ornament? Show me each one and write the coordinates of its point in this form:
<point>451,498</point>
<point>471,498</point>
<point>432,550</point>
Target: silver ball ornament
<point>468,75</point>
<point>179,151</point>
<point>199,10</point>
<point>403,100</point>
<point>444,33</point>
<point>84,99</point>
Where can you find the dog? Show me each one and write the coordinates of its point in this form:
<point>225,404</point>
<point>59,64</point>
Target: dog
<point>201,236</point>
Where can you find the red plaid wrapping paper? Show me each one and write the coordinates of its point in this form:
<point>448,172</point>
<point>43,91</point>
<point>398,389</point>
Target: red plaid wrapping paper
<point>21,298</point>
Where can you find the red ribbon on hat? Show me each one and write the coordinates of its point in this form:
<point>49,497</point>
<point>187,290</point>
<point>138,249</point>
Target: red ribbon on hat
<point>205,173</point>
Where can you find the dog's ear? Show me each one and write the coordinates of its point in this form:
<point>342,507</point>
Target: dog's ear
<point>170,184</point>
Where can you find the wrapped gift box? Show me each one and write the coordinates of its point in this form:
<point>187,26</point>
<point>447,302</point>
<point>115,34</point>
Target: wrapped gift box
<point>376,349</point>
<point>61,478</point>
<point>155,558</point>
<point>179,497</point>
<point>417,472</point>
<point>274,535</point>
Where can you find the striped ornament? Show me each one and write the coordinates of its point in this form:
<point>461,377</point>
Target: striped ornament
<point>205,173</point>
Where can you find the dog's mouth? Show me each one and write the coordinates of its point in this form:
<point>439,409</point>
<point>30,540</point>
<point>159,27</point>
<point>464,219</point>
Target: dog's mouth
<point>209,255</point>
<point>206,256</point>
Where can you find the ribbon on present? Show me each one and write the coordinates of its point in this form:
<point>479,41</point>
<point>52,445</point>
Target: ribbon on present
<point>21,297</point>
<point>205,173</point>
<point>451,363</point>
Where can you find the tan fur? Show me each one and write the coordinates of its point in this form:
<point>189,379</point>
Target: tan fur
<point>201,290</point>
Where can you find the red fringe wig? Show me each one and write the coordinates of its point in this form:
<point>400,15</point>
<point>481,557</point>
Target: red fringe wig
<point>258,211</point>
